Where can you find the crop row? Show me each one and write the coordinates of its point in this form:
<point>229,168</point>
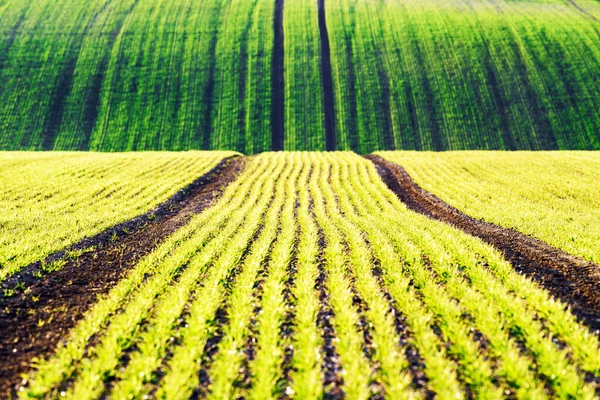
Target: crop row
<point>309,276</point>
<point>50,201</point>
<point>489,74</point>
<point>136,75</point>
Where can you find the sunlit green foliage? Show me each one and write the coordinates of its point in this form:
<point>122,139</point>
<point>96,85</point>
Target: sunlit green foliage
<point>552,196</point>
<point>232,304</point>
<point>135,75</point>
<point>465,74</point>
<point>407,74</point>
<point>49,201</point>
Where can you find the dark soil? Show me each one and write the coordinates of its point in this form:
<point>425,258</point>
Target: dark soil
<point>277,80</point>
<point>568,278</point>
<point>328,99</point>
<point>62,297</point>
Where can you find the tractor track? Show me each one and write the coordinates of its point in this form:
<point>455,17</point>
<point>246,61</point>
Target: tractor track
<point>278,80</point>
<point>327,77</point>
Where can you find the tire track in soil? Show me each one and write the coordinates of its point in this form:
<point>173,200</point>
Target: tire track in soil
<point>328,97</point>
<point>74,288</point>
<point>278,80</point>
<point>568,278</point>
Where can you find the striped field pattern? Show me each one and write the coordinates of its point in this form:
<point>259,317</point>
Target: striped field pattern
<point>49,201</point>
<point>109,75</point>
<point>309,278</point>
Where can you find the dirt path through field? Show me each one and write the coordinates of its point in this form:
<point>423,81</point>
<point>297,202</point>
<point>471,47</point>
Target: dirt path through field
<point>569,278</point>
<point>61,298</point>
<point>278,80</point>
<point>328,98</point>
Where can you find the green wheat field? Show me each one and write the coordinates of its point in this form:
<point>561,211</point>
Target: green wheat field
<point>299,199</point>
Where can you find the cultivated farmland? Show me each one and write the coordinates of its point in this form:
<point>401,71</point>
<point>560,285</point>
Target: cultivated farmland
<point>552,196</point>
<point>50,201</point>
<point>308,277</point>
<point>259,75</point>
<point>259,214</point>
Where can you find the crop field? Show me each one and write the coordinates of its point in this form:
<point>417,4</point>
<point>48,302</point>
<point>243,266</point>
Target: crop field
<point>308,277</point>
<point>260,75</point>
<point>300,199</point>
<point>552,196</point>
<point>454,74</point>
<point>49,201</point>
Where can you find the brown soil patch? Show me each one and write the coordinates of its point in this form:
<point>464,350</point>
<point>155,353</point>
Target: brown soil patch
<point>62,297</point>
<point>327,79</point>
<point>278,80</point>
<point>568,278</point>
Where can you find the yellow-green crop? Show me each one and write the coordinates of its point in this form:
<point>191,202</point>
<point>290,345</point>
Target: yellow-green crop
<point>235,304</point>
<point>49,201</point>
<point>553,196</point>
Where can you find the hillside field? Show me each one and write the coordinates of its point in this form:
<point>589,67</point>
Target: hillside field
<point>307,275</point>
<point>300,199</point>
<point>260,75</point>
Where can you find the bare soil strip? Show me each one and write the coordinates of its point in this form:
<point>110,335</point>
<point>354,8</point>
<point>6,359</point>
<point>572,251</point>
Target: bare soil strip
<point>328,99</point>
<point>278,80</point>
<point>568,278</point>
<point>60,299</point>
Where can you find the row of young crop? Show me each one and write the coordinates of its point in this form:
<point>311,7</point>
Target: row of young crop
<point>464,75</point>
<point>236,303</point>
<point>303,128</point>
<point>152,74</point>
<point>50,201</point>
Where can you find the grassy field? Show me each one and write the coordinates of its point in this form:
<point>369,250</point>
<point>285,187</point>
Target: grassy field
<point>485,74</point>
<point>551,196</point>
<point>306,273</point>
<point>135,75</point>
<point>406,74</point>
<point>49,201</point>
<point>307,277</point>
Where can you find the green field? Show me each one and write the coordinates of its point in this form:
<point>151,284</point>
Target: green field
<point>453,74</point>
<point>300,199</point>
<point>552,196</point>
<point>406,74</point>
<point>297,235</point>
<point>49,201</point>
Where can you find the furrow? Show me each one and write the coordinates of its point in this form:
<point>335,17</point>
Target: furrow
<point>181,373</point>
